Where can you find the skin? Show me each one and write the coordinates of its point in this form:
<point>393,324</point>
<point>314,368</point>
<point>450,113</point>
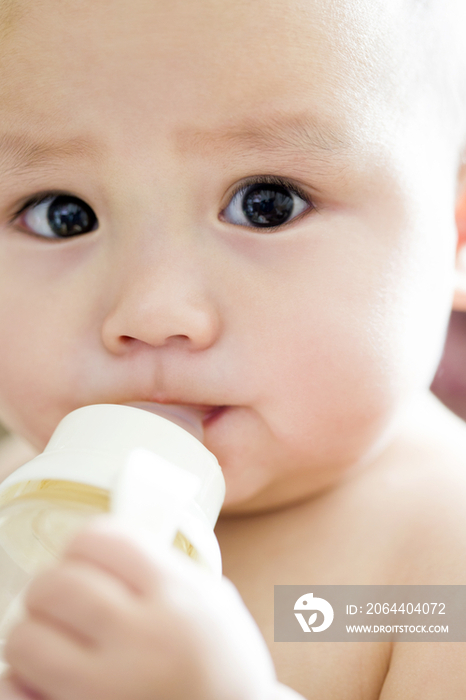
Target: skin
<point>320,338</point>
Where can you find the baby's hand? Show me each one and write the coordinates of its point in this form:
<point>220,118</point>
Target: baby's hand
<point>110,623</point>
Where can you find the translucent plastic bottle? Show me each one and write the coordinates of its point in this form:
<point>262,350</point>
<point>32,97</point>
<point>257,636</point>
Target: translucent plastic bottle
<point>145,468</point>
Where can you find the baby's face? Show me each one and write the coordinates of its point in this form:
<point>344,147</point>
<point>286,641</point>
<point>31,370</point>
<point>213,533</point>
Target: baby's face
<point>256,220</point>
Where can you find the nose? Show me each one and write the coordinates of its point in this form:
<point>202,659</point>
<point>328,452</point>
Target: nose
<point>160,303</point>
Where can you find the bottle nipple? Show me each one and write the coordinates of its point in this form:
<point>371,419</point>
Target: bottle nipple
<point>186,417</point>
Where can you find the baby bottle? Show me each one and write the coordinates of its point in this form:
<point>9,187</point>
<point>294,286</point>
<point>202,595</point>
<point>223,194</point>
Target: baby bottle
<point>144,463</point>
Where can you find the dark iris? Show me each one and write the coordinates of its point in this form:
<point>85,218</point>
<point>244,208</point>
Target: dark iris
<point>267,205</point>
<point>70,216</point>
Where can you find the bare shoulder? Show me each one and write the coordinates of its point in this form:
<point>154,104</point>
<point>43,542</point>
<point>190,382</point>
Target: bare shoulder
<point>433,478</point>
<point>13,453</point>
<point>431,546</point>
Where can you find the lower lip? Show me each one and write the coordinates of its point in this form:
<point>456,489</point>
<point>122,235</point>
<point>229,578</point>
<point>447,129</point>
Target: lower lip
<point>214,415</point>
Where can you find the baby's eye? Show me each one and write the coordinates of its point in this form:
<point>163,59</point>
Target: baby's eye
<point>265,205</point>
<point>57,216</point>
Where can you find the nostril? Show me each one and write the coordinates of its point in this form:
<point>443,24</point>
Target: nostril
<point>176,338</point>
<point>126,340</point>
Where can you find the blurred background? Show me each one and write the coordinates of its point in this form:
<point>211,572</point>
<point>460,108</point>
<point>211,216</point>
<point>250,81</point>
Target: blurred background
<point>450,381</point>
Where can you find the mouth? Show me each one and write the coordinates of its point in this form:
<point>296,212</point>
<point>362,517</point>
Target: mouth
<point>213,413</point>
<point>192,417</point>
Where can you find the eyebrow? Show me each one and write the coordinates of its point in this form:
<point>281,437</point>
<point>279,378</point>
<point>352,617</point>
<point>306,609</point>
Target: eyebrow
<point>19,153</point>
<point>286,133</point>
<point>277,133</point>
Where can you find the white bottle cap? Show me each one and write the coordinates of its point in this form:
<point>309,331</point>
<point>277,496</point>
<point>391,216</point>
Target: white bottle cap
<point>93,444</point>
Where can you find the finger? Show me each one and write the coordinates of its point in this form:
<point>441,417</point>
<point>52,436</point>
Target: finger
<point>114,549</point>
<point>81,600</point>
<point>46,662</point>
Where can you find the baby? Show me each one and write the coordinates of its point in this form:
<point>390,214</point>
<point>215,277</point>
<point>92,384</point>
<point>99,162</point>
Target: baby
<point>247,208</point>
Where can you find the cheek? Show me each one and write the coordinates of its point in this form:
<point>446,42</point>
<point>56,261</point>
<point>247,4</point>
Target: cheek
<point>336,392</point>
<point>29,384</point>
<point>36,360</point>
<point>47,342</point>
<point>324,407</point>
<point>332,362</point>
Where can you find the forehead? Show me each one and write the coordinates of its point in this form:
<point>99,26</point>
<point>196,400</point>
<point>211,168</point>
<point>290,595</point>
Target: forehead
<point>195,66</point>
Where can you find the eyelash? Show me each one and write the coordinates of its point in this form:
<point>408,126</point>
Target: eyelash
<point>36,200</point>
<point>270,180</point>
<point>241,187</point>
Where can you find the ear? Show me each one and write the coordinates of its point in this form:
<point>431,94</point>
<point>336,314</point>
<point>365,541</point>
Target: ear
<point>459,298</point>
